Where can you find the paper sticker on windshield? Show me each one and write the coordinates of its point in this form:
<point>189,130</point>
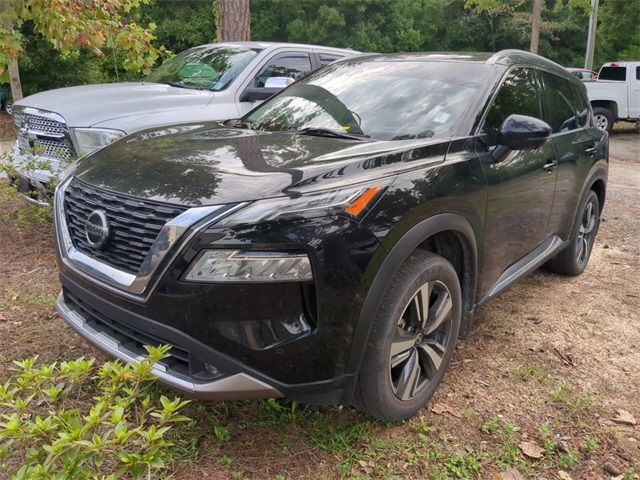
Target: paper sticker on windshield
<point>442,117</point>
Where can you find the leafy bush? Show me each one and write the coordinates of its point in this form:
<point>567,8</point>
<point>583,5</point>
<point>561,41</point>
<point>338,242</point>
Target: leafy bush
<point>49,429</point>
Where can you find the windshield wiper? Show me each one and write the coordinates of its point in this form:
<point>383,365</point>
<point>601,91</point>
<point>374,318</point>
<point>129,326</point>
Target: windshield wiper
<point>182,85</point>
<point>327,132</point>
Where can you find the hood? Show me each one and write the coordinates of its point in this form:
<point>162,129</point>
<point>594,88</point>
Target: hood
<point>87,105</point>
<point>206,164</point>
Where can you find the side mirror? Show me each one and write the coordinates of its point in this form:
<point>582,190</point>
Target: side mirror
<point>520,132</point>
<point>278,82</point>
<point>256,94</point>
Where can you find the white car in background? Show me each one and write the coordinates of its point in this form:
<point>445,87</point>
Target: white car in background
<point>206,83</point>
<point>615,95</point>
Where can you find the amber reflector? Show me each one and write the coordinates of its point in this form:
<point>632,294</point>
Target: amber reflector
<point>359,204</point>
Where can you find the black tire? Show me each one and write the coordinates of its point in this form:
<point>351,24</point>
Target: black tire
<point>397,393</point>
<point>604,118</point>
<point>574,259</point>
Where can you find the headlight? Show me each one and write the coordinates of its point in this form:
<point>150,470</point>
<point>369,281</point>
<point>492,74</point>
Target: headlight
<point>353,201</point>
<point>91,139</point>
<point>238,266</point>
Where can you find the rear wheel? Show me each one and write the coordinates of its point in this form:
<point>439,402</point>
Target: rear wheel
<point>412,339</point>
<point>604,119</point>
<point>574,259</point>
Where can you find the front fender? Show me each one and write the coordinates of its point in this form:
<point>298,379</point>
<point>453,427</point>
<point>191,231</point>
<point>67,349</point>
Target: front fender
<point>390,262</point>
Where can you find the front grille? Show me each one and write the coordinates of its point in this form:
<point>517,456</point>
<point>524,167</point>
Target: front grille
<point>43,136</point>
<point>134,224</point>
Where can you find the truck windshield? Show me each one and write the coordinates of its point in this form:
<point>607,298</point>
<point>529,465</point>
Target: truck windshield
<point>204,68</point>
<point>385,100</point>
<point>619,74</point>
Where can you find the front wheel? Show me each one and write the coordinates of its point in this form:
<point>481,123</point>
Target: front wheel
<point>412,340</point>
<point>603,119</point>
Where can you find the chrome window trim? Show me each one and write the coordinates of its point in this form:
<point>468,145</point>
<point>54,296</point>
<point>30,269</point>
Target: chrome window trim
<point>140,285</point>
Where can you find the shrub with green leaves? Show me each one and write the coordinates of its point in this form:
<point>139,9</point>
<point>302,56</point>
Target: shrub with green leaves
<point>73,420</point>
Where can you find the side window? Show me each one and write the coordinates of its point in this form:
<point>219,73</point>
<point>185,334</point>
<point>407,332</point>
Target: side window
<point>560,112</point>
<point>518,94</point>
<point>326,59</point>
<point>637,73</point>
<point>293,65</point>
<point>617,74</point>
<point>582,105</point>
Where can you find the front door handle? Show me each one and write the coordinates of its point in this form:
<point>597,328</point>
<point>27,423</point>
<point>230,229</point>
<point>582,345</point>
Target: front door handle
<point>591,151</point>
<point>550,165</point>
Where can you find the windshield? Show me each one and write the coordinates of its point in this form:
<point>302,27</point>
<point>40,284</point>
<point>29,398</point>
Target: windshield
<point>386,100</point>
<point>208,67</point>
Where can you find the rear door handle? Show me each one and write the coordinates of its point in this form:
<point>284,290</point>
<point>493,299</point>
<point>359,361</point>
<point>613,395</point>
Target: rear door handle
<point>591,151</point>
<point>550,165</point>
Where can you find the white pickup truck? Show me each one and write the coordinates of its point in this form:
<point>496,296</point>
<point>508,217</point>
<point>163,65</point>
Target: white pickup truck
<point>615,95</point>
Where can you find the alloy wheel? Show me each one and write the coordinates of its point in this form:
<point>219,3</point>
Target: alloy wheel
<point>601,122</point>
<point>586,232</point>
<point>421,339</point>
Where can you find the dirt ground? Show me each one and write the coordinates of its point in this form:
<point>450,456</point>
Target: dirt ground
<point>551,362</point>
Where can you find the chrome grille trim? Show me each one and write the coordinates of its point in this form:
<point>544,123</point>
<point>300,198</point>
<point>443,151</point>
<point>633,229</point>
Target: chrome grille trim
<point>137,286</point>
<point>45,132</point>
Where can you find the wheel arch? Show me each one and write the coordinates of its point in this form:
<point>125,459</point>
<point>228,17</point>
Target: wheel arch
<point>596,181</point>
<point>610,105</point>
<point>446,234</point>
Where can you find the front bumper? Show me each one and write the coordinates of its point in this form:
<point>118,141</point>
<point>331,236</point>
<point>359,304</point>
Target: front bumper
<point>235,386</point>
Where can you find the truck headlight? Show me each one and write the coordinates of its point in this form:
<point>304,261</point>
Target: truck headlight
<point>249,266</point>
<point>90,139</point>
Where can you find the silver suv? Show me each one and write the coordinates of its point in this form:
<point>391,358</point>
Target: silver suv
<point>206,83</point>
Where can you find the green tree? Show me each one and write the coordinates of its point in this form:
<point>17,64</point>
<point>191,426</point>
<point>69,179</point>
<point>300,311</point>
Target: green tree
<point>618,33</point>
<point>69,24</point>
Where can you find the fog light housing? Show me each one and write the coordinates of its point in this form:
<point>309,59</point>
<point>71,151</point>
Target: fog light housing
<point>249,266</point>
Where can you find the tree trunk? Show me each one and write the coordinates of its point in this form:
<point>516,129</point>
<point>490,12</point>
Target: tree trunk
<point>535,25</point>
<point>14,80</point>
<point>233,20</point>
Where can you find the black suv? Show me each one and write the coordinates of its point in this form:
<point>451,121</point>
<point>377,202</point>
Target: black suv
<point>333,245</point>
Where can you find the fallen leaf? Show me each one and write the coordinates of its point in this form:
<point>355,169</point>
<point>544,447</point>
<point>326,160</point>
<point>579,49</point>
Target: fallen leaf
<point>531,449</point>
<point>510,474</point>
<point>440,408</point>
<point>2,317</point>
<point>564,475</point>
<point>624,417</point>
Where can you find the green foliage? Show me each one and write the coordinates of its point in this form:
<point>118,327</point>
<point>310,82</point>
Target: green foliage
<point>48,431</point>
<point>618,34</point>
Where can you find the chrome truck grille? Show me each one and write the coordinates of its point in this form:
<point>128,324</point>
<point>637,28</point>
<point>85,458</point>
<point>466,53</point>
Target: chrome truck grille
<point>44,135</point>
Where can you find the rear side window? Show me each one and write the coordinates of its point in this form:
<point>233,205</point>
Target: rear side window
<point>518,94</point>
<point>326,59</point>
<point>618,74</point>
<point>560,109</point>
<point>292,65</point>
<point>637,73</point>
<point>582,105</point>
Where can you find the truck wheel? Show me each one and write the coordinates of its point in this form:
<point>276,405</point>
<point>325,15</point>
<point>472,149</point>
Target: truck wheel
<point>573,260</point>
<point>604,119</point>
<point>638,126</point>
<point>412,339</point>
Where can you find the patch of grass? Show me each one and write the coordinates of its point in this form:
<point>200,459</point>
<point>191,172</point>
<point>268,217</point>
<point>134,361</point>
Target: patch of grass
<point>421,427</point>
<point>526,372</point>
<point>568,460</point>
<point>279,412</point>
<point>226,461</point>
<point>335,437</point>
<point>572,398</point>
<point>34,300</point>
<point>590,445</point>
<point>503,428</point>
<point>458,466</point>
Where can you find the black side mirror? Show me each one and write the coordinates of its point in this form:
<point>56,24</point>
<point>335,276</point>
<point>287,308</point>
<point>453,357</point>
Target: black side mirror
<point>256,94</point>
<point>520,132</point>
